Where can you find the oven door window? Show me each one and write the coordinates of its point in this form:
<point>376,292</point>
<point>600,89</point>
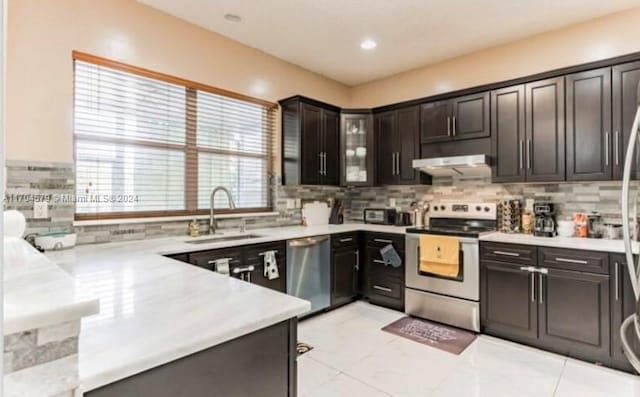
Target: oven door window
<point>458,277</point>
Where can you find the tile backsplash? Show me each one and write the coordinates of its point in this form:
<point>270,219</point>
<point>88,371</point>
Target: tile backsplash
<point>27,181</point>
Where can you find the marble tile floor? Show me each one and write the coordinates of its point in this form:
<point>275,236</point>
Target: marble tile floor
<point>352,357</point>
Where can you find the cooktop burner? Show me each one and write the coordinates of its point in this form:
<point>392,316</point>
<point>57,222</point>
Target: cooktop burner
<point>460,219</point>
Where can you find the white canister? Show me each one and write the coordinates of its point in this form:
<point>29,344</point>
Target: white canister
<point>565,229</point>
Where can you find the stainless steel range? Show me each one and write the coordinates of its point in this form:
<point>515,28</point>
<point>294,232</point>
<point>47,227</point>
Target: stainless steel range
<point>452,300</point>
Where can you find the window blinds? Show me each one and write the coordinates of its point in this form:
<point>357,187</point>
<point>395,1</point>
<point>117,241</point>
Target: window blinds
<point>148,146</point>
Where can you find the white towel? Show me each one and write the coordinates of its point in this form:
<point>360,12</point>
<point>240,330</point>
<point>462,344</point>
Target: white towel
<point>271,265</point>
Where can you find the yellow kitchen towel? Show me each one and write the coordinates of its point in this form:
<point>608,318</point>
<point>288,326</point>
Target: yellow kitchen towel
<point>440,255</point>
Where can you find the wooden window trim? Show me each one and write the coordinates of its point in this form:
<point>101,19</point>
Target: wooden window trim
<point>82,56</point>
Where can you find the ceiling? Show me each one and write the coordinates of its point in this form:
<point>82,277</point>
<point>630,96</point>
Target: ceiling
<point>324,36</point>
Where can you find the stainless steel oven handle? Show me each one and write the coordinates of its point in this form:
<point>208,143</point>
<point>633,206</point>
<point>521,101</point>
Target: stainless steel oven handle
<point>385,289</point>
<point>506,253</point>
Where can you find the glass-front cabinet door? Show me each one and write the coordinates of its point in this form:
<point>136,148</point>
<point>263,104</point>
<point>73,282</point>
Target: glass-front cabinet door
<point>357,148</point>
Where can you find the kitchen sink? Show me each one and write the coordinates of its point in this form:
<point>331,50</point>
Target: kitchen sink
<point>223,238</point>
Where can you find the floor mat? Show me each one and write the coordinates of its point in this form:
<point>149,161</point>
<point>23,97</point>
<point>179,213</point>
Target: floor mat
<point>443,337</point>
<point>303,348</point>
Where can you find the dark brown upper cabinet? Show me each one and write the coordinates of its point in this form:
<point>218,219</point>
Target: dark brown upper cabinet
<point>508,134</point>
<point>357,148</point>
<point>459,118</point>
<point>545,134</point>
<point>397,140</point>
<point>625,103</point>
<point>310,142</point>
<point>589,140</point>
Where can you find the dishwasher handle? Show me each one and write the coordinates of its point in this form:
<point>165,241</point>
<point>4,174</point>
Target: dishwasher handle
<point>307,242</point>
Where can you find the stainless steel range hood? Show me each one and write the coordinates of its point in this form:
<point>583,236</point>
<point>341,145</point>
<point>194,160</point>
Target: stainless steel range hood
<point>461,166</point>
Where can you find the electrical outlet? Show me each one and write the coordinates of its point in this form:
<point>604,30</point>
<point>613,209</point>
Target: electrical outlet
<point>40,210</point>
<point>298,203</point>
<point>392,202</point>
<point>291,204</point>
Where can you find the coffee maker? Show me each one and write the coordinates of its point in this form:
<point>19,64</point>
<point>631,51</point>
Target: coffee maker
<point>545,224</point>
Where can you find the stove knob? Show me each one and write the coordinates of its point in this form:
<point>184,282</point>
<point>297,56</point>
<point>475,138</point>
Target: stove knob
<point>478,208</point>
<point>435,207</point>
<point>442,207</point>
<point>486,209</point>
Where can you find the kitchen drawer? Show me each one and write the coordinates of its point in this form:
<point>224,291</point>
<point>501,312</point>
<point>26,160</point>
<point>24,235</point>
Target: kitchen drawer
<point>375,264</point>
<point>253,253</point>
<point>577,260</point>
<point>206,259</point>
<point>509,253</point>
<point>387,291</point>
<point>344,240</point>
<point>380,240</point>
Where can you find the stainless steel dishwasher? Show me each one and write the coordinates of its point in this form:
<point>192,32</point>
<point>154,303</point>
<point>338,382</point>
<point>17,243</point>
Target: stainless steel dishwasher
<point>309,271</point>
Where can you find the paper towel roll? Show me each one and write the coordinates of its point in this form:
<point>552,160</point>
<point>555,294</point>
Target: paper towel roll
<point>14,224</point>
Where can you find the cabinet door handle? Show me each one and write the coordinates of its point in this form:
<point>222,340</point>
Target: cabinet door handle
<point>393,163</point>
<point>533,287</point>
<point>521,158</point>
<point>541,281</point>
<point>324,163</point>
<point>528,153</point>
<point>448,126</point>
<point>397,163</point>
<point>320,163</point>
<point>380,240</point>
<point>567,260</point>
<point>357,260</point>
<point>529,269</point>
<point>346,240</point>
<point>385,289</point>
<point>607,148</point>
<point>616,147</point>
<point>506,253</point>
<point>617,280</point>
<point>454,125</point>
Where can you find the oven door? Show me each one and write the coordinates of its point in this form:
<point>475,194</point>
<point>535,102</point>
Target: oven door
<point>466,285</point>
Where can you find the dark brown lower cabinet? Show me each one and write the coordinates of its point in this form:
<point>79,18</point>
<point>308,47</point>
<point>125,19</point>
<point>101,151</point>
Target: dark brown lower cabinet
<point>622,306</point>
<point>384,284</point>
<point>508,299</point>
<point>262,363</point>
<point>344,274</point>
<point>573,315</point>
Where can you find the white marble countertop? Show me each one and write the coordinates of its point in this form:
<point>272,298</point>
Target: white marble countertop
<point>591,244</point>
<point>155,310</point>
<point>38,293</point>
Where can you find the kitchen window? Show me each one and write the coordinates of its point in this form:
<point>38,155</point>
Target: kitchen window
<point>148,144</point>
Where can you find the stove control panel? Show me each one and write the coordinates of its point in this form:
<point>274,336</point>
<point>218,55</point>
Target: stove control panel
<point>464,210</point>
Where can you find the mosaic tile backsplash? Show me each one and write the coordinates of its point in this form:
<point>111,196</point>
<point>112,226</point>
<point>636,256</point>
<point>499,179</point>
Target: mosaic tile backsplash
<point>29,179</point>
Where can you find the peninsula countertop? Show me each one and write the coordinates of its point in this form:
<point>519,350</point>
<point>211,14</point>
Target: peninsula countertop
<point>154,310</point>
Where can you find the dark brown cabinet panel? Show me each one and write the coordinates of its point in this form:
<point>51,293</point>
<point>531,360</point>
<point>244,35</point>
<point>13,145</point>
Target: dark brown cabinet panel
<point>625,81</point>
<point>407,144</point>
<point>254,256</point>
<point>331,144</point>
<point>384,132</point>
<point>508,134</point>
<point>344,275</point>
<point>382,284</point>
<point>310,142</point>
<point>574,314</point>
<point>623,305</point>
<point>545,130</point>
<point>398,141</point>
<point>508,301</point>
<point>588,107</point>
<point>435,122</point>
<point>577,260</point>
<point>471,116</point>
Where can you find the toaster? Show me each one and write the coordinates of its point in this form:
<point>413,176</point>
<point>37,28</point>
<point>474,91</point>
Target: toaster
<point>380,216</point>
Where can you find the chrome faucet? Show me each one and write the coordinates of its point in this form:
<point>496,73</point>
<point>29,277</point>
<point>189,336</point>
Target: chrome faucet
<point>232,205</point>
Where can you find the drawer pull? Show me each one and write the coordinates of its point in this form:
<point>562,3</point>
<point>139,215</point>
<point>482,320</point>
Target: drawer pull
<point>578,261</point>
<point>529,269</point>
<point>346,240</point>
<point>275,252</point>
<point>215,261</point>
<point>506,253</point>
<point>380,261</point>
<point>385,289</point>
<point>381,240</point>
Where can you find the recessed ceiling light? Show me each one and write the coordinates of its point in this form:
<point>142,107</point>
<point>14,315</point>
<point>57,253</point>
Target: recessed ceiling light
<point>232,17</point>
<point>368,44</point>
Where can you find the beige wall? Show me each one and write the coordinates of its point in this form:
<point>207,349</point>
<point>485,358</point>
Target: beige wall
<point>42,34</point>
<point>601,38</point>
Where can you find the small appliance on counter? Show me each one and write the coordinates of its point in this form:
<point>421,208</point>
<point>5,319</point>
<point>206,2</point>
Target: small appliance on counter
<point>52,241</point>
<point>509,216</point>
<point>595,225</point>
<point>545,223</point>
<point>380,216</point>
<point>419,214</point>
<point>403,218</point>
<point>565,228</point>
